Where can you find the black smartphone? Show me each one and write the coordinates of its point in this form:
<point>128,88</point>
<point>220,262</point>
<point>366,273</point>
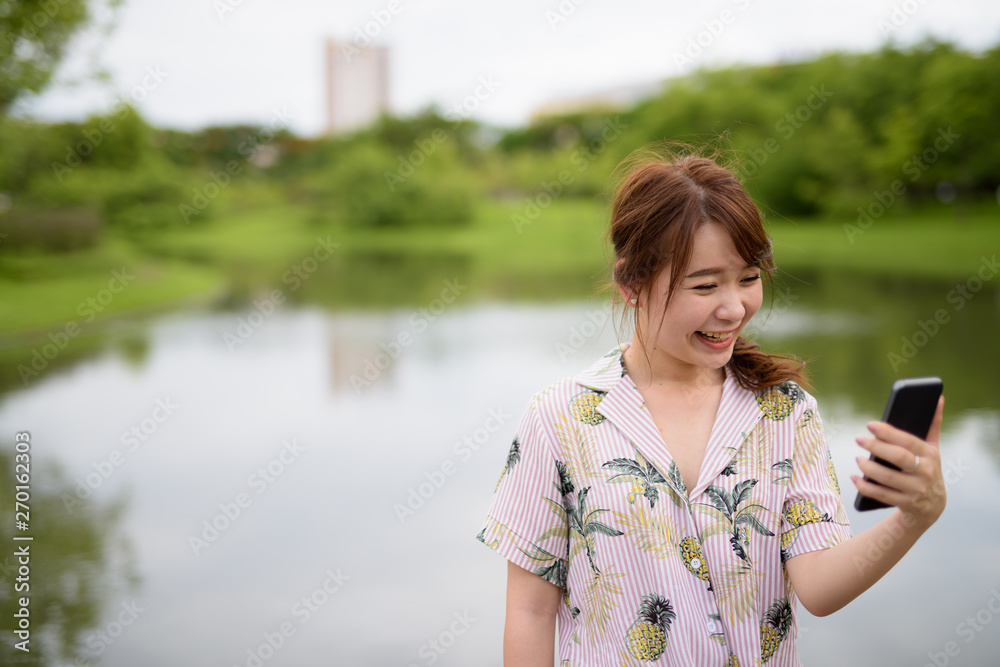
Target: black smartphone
<point>911,408</point>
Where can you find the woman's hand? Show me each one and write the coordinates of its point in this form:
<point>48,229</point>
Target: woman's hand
<point>918,492</point>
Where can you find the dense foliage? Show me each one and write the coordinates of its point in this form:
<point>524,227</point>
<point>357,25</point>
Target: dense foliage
<point>844,134</point>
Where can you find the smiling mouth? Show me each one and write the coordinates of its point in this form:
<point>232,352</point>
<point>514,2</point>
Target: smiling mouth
<point>716,336</point>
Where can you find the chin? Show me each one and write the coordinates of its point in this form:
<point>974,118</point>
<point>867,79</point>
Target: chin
<point>720,360</point>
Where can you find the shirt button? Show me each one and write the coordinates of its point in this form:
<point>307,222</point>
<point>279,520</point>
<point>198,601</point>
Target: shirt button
<point>695,563</point>
<point>711,626</point>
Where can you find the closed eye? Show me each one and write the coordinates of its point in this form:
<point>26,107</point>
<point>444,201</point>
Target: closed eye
<point>749,280</point>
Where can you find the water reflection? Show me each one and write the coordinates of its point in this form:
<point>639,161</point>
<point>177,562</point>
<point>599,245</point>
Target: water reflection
<point>380,403</point>
<point>80,568</point>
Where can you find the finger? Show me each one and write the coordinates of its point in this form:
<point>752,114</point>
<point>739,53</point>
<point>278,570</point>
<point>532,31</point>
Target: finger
<point>876,491</point>
<point>895,436</point>
<point>934,434</point>
<point>901,457</point>
<point>894,479</point>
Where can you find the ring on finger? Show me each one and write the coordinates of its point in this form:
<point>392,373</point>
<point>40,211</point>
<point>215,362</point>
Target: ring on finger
<point>916,464</point>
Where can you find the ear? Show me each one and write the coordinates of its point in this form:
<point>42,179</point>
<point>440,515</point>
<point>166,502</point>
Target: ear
<point>627,292</point>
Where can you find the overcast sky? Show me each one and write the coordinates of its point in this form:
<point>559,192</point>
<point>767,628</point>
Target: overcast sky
<point>211,62</point>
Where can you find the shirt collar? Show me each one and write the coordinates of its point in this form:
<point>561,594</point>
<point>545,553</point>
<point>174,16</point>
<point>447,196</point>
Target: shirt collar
<point>624,407</point>
<point>606,372</point>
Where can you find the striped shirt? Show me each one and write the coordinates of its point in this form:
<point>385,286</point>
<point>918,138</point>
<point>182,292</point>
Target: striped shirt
<point>652,572</point>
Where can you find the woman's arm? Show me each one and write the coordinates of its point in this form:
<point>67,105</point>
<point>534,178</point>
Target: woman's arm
<point>827,580</point>
<point>530,631</point>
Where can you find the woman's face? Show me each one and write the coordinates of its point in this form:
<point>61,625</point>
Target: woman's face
<point>717,295</point>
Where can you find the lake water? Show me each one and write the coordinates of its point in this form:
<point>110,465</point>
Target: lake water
<point>201,498</point>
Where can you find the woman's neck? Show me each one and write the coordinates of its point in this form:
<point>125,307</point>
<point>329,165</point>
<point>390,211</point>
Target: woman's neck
<point>649,367</point>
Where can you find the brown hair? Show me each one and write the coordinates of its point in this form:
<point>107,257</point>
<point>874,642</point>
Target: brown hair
<point>663,197</point>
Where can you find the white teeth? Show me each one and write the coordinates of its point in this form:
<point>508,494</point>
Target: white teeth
<point>719,337</point>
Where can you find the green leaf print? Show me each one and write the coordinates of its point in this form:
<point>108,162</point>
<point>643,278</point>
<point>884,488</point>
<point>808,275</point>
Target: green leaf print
<point>582,524</point>
<point>643,476</point>
<point>732,512</point>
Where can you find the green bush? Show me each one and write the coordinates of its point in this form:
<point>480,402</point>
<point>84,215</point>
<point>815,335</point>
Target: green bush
<point>368,185</point>
<point>133,201</point>
<point>50,229</point>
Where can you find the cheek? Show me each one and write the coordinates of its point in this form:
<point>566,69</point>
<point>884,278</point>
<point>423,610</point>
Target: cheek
<point>754,302</point>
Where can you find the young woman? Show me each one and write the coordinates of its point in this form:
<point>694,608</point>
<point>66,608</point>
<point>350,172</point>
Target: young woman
<point>673,502</point>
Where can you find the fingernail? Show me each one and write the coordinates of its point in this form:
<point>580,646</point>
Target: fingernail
<point>872,426</point>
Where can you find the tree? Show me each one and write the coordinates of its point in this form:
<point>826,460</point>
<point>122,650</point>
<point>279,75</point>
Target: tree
<point>35,34</point>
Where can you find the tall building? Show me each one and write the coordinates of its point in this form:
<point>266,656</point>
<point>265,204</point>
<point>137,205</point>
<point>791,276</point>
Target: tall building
<point>357,84</point>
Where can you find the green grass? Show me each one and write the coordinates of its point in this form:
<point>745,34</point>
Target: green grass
<point>261,238</point>
<point>510,251</point>
<point>920,246</point>
<point>568,236</point>
<point>48,291</point>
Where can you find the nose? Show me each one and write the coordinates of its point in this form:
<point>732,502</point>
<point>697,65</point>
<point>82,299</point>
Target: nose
<point>731,307</point>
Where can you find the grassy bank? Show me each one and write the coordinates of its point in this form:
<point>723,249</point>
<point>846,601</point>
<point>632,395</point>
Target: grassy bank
<point>45,292</point>
<point>509,251</point>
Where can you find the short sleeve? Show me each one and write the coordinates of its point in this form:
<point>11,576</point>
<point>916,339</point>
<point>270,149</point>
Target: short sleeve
<point>526,522</point>
<point>813,516</point>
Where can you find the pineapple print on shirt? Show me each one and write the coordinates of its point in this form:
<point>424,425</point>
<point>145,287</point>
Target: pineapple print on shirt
<point>800,513</point>
<point>778,402</point>
<point>777,621</point>
<point>641,474</point>
<point>694,560</point>
<point>582,504</point>
<point>513,456</point>
<point>583,407</point>
<point>647,637</point>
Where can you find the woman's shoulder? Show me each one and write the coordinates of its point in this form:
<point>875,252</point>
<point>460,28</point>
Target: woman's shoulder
<point>597,378</point>
<point>786,399</point>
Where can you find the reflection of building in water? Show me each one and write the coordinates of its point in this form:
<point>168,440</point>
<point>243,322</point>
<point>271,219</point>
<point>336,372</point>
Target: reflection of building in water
<point>364,352</point>
<point>357,85</point>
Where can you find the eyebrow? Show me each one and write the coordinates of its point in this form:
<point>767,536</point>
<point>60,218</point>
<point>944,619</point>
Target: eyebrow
<point>711,272</point>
